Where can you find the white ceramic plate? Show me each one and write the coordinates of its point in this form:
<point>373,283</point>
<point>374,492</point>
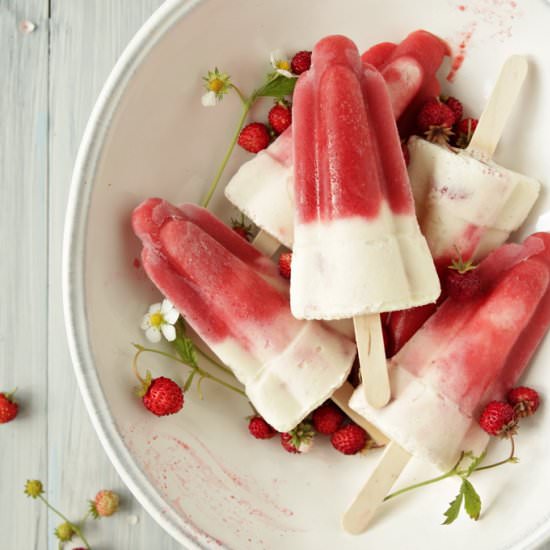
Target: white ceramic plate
<point>199,473</point>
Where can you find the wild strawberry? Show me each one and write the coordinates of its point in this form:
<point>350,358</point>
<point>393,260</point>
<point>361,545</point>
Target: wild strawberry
<point>301,62</point>
<point>499,418</point>
<point>435,121</point>
<point>105,504</point>
<point>163,396</point>
<point>280,117</point>
<point>327,419</point>
<point>285,261</point>
<point>260,429</point>
<point>464,131</point>
<point>525,401</point>
<point>462,282</point>
<point>254,137</point>
<point>298,440</point>
<point>241,227</point>
<point>350,439</point>
<point>455,106</point>
<point>8,407</point>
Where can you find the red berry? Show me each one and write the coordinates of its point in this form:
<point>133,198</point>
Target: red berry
<point>260,429</point>
<point>163,397</point>
<point>525,401</point>
<point>286,442</point>
<point>8,408</point>
<point>498,418</point>
<point>254,137</point>
<point>467,126</point>
<point>285,261</point>
<point>280,118</point>
<point>455,106</point>
<point>464,131</point>
<point>301,62</point>
<point>463,286</point>
<point>435,120</point>
<point>242,232</point>
<point>327,419</point>
<point>350,439</point>
<point>299,439</point>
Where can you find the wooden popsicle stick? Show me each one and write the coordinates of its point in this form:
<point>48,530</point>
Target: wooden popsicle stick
<point>372,359</point>
<point>495,115</point>
<point>341,397</point>
<point>363,508</point>
<point>265,243</point>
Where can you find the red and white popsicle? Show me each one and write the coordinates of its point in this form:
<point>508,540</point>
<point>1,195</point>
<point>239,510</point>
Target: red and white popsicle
<point>262,187</point>
<point>467,354</point>
<point>224,289</point>
<point>358,250</point>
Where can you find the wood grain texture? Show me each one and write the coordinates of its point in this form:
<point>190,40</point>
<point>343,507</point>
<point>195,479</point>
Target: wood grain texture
<point>50,80</point>
<point>23,273</point>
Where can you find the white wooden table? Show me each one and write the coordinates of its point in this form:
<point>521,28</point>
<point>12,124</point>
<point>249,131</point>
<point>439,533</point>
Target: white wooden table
<point>50,77</point>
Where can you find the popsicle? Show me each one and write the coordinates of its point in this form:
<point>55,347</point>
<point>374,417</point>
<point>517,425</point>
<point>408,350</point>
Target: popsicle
<point>222,286</point>
<point>358,250</point>
<point>467,354</point>
<point>262,187</point>
<point>464,200</point>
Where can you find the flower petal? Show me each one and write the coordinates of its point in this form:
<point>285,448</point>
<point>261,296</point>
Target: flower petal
<point>155,308</point>
<point>286,73</point>
<point>145,322</point>
<point>169,332</point>
<point>153,335</point>
<point>210,99</point>
<point>171,316</point>
<point>166,306</point>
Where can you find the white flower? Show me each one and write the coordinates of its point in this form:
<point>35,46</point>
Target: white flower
<point>210,99</point>
<point>159,321</point>
<point>281,64</point>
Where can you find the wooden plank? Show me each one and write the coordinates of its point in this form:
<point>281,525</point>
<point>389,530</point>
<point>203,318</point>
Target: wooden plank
<point>23,275</point>
<point>86,39</point>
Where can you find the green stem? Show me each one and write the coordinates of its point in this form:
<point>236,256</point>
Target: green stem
<point>246,107</point>
<point>203,373</point>
<point>511,458</point>
<point>422,484</point>
<point>75,528</point>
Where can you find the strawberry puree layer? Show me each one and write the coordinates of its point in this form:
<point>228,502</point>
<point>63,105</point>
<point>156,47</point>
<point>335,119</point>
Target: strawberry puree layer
<point>347,156</point>
<point>468,353</point>
<point>262,187</point>
<point>223,288</point>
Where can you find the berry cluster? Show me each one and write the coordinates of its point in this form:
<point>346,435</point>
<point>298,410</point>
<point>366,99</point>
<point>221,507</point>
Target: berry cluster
<point>500,418</point>
<point>345,436</point>
<point>441,120</point>
<point>256,136</point>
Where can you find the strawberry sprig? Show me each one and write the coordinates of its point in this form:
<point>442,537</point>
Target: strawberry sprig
<point>276,85</point>
<point>187,354</point>
<point>467,496</point>
<point>105,504</point>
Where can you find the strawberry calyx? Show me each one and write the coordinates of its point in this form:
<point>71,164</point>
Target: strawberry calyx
<point>145,384</point>
<point>242,228</point>
<point>458,263</point>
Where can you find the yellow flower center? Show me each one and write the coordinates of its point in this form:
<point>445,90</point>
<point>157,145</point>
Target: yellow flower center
<point>284,65</point>
<point>156,319</point>
<point>215,85</point>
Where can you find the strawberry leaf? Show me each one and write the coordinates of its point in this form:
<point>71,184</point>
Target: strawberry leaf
<point>454,508</point>
<point>186,350</point>
<point>278,87</point>
<point>472,501</point>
